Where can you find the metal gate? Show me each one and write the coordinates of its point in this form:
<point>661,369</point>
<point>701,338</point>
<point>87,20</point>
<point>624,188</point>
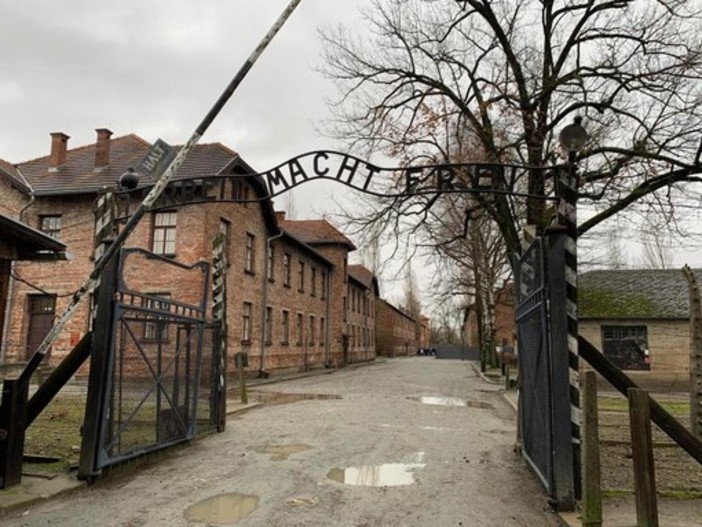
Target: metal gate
<point>146,365</point>
<point>542,335</point>
<point>534,363</point>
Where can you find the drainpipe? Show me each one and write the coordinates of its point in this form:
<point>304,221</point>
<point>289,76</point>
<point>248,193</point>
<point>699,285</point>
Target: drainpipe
<point>265,305</point>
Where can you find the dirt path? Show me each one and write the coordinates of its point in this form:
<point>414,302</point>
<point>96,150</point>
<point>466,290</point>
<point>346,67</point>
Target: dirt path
<point>372,454</point>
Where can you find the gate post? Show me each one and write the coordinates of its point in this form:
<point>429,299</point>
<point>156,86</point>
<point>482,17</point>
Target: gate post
<point>572,138</point>
<point>565,469</point>
<point>218,410</point>
<point>100,367</point>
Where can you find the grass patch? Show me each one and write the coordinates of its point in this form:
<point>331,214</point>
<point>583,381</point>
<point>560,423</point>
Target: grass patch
<point>621,404</point>
<point>56,432</point>
<point>671,494</point>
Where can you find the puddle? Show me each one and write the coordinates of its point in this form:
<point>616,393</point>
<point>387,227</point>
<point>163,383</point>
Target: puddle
<point>222,509</point>
<point>450,401</point>
<point>275,398</point>
<point>386,475</point>
<point>282,452</point>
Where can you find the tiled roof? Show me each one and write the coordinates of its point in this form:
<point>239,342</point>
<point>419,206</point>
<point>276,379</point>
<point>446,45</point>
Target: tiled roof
<point>634,294</point>
<point>78,175</point>
<point>315,232</point>
<point>364,277</point>
<point>10,172</point>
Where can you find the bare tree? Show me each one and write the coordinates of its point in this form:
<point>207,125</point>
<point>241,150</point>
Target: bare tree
<point>656,253</point>
<point>500,79</point>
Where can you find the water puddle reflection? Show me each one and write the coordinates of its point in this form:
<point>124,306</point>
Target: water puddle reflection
<point>385,475</point>
<point>450,401</point>
<point>282,452</point>
<point>222,509</point>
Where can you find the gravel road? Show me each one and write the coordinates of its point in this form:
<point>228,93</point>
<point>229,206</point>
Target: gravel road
<point>387,445</point>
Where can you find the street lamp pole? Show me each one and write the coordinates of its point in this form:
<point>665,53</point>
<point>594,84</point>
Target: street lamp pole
<point>572,138</point>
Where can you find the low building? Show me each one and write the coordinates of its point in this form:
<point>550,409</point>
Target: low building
<point>639,319</point>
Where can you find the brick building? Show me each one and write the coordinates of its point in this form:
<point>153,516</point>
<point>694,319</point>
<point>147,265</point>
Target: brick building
<point>640,319</point>
<point>397,331</point>
<point>291,300</point>
<point>362,296</point>
<point>19,242</point>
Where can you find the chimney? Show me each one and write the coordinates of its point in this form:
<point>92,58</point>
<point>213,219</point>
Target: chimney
<point>102,148</point>
<point>59,145</point>
<point>279,215</point>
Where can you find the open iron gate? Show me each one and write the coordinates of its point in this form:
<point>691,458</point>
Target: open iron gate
<point>534,370</point>
<point>544,398</point>
<point>146,364</point>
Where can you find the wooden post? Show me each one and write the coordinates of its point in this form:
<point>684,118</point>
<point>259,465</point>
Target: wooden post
<point>592,492</point>
<point>642,451</point>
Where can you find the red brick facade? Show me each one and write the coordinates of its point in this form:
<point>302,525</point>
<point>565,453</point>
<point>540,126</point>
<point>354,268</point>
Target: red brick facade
<point>397,331</point>
<point>292,301</point>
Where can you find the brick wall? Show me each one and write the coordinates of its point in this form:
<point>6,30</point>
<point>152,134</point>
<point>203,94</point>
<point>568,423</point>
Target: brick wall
<point>12,200</point>
<point>196,227</point>
<point>397,331</point>
<point>360,322</point>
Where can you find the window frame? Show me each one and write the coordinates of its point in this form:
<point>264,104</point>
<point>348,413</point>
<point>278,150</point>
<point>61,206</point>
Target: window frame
<point>287,269</point>
<point>164,243</point>
<point>51,230</point>
<point>246,322</point>
<point>249,253</point>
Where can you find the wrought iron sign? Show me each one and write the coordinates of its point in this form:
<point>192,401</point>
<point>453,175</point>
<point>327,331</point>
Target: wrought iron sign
<point>361,175</point>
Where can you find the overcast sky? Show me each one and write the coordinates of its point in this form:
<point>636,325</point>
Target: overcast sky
<point>154,68</point>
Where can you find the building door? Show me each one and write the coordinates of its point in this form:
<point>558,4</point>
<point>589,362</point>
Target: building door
<point>41,309</point>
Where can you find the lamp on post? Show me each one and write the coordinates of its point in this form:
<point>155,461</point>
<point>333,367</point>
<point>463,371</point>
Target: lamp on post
<point>572,138</point>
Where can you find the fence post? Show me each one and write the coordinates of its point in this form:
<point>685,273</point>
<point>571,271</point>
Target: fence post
<point>695,353</point>
<point>592,492</point>
<point>642,451</point>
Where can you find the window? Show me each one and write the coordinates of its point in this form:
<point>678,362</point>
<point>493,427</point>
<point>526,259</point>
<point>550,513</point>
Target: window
<point>310,336</point>
<point>269,265</point>
<point>154,323</point>
<point>346,270</point>
<point>246,322</point>
<point>345,304</point>
<point>225,229</point>
<point>301,277</point>
<point>627,346</point>
<point>269,326</point>
<point>286,270</point>
<point>298,329</point>
<point>286,326</point>
<point>313,285</point>
<point>321,331</point>
<point>51,225</point>
<point>324,284</point>
<point>249,256</point>
<point>164,233</point>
